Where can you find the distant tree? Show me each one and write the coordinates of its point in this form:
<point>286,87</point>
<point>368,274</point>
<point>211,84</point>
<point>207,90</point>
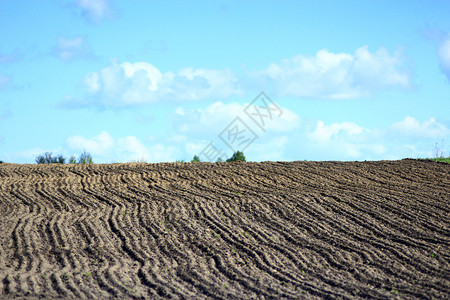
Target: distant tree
<point>237,156</point>
<point>47,158</point>
<point>85,158</point>
<point>1,161</point>
<point>61,159</point>
<point>180,161</point>
<point>219,159</point>
<point>196,159</point>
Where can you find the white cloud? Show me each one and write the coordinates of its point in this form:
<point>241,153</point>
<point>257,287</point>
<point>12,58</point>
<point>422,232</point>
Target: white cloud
<point>163,153</point>
<point>105,148</point>
<point>327,133</point>
<point>72,48</point>
<point>348,140</point>
<point>132,145</point>
<point>325,75</point>
<point>336,75</point>
<point>344,140</point>
<point>95,10</point>
<point>410,127</point>
<point>202,126</point>
<point>270,149</point>
<point>138,83</point>
<point>209,122</point>
<point>444,56</point>
<point>97,145</point>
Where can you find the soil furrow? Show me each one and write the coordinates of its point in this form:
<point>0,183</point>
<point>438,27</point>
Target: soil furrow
<point>273,230</point>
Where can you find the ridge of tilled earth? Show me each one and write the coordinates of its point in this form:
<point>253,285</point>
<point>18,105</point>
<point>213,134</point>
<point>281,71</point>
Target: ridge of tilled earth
<point>267,230</point>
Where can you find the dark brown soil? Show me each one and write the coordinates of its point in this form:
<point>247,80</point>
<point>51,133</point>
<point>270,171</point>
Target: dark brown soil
<point>268,230</point>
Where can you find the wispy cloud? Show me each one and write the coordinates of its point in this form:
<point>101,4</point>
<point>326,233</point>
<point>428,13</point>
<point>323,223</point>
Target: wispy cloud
<point>410,127</point>
<point>336,75</point>
<point>444,56</point>
<point>73,48</point>
<point>441,39</point>
<point>94,10</point>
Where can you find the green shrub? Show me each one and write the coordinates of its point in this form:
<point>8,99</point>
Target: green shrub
<point>237,156</point>
<point>1,161</point>
<point>85,158</point>
<point>196,159</point>
<point>47,158</point>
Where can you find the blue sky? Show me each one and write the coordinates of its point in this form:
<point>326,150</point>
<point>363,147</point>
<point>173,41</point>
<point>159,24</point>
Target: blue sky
<point>166,80</point>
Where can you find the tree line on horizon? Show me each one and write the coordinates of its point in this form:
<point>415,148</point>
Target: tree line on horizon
<point>48,158</point>
<point>86,158</point>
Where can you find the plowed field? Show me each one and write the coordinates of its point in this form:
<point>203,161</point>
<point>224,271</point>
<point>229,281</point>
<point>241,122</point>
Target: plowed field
<point>268,230</point>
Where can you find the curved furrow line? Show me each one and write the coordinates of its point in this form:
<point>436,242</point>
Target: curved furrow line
<point>282,177</point>
<point>87,187</point>
<point>156,234</point>
<point>413,199</point>
<point>414,214</point>
<point>61,280</point>
<point>35,287</point>
<point>78,192</point>
<point>232,271</point>
<point>55,255</point>
<point>111,261</point>
<point>58,286</point>
<point>42,190</point>
<point>106,281</point>
<point>381,260</point>
<point>128,191</point>
<point>72,264</point>
<point>366,239</point>
<point>101,254</point>
<point>165,242</point>
<point>9,285</point>
<point>382,233</point>
<point>251,237</point>
<point>73,196</point>
<point>380,218</point>
<point>129,248</point>
<point>321,256</point>
<point>31,244</point>
<point>254,254</point>
<point>366,222</point>
<point>300,241</point>
<point>22,244</point>
<point>266,235</point>
<point>170,248</point>
<point>18,191</point>
<point>14,282</point>
<point>202,279</point>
